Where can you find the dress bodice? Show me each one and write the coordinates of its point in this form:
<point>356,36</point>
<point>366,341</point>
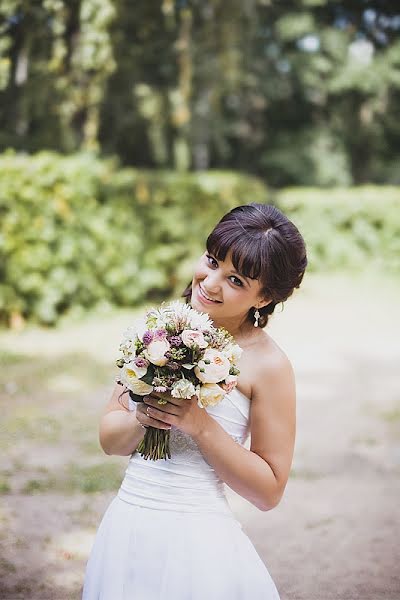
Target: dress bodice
<point>186,482</point>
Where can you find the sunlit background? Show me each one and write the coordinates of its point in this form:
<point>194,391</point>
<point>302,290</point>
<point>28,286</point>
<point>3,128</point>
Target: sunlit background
<point>126,131</point>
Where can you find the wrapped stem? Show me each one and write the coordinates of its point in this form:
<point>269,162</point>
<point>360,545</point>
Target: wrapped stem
<point>155,444</point>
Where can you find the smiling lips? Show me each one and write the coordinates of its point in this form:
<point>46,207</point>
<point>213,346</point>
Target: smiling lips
<point>206,298</point>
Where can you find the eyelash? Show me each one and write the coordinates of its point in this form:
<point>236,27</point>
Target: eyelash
<point>210,257</point>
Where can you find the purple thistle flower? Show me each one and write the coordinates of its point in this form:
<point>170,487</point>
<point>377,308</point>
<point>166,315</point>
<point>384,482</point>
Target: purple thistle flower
<point>160,334</point>
<point>141,362</point>
<point>175,340</point>
<point>147,337</point>
<point>173,365</point>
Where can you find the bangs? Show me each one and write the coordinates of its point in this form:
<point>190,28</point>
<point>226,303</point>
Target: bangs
<point>249,250</point>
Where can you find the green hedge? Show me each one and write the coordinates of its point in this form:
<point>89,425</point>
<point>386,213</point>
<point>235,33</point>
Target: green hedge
<point>77,231</point>
<point>347,228</point>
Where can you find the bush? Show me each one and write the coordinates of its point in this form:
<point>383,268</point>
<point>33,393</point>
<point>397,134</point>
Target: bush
<point>77,231</point>
<point>347,228</point>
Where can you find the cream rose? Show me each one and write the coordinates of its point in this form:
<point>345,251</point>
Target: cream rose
<point>130,374</point>
<point>183,389</point>
<point>233,352</point>
<point>213,367</point>
<point>155,352</point>
<point>209,394</point>
<point>191,337</point>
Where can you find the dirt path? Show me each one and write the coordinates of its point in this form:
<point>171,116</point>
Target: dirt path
<point>335,533</point>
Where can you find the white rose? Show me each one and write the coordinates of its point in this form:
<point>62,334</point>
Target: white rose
<point>191,337</point>
<point>233,352</point>
<point>130,374</point>
<point>217,368</point>
<point>155,352</point>
<point>183,389</point>
<point>210,394</point>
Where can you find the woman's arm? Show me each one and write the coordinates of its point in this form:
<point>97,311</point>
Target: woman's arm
<point>120,429</point>
<point>261,473</point>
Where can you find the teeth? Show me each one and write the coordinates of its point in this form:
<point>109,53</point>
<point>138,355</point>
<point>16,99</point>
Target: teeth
<point>205,296</point>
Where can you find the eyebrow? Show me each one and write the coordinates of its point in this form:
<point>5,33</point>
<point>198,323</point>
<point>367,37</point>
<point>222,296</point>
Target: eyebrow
<point>233,271</point>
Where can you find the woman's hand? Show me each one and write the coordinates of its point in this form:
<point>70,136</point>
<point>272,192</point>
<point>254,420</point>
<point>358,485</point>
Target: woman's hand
<point>145,420</point>
<point>185,414</point>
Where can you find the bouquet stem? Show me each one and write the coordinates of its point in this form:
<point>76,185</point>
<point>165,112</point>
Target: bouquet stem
<point>155,444</point>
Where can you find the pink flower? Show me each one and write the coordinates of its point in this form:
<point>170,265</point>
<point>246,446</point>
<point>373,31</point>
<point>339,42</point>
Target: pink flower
<point>160,389</point>
<point>155,352</point>
<point>213,367</point>
<point>190,337</point>
<point>160,334</point>
<point>230,383</point>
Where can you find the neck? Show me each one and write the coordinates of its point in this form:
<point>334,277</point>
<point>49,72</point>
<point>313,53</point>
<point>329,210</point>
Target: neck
<point>242,331</point>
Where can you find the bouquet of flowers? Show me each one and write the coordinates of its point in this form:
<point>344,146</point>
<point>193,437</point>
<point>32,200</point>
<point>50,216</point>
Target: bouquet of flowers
<point>177,349</point>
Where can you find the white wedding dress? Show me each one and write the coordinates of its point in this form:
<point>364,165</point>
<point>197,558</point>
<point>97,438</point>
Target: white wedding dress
<point>170,534</point>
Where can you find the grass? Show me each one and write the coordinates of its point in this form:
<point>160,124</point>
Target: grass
<point>366,441</point>
<point>4,486</point>
<point>391,416</point>
<point>74,478</point>
<point>31,423</point>
<point>53,386</point>
<point>305,474</point>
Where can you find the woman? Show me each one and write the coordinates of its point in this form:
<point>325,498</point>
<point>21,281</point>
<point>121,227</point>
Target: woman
<point>169,532</point>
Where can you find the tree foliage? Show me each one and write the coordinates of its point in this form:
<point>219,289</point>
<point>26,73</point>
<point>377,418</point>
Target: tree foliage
<point>299,92</point>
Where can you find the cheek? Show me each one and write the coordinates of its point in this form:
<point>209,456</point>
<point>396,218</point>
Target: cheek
<point>200,270</point>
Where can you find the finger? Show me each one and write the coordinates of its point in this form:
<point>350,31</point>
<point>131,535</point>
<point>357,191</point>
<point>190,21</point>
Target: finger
<point>161,415</point>
<point>170,408</point>
<point>148,421</point>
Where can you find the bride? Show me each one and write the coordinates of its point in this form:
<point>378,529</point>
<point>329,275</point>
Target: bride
<point>170,532</point>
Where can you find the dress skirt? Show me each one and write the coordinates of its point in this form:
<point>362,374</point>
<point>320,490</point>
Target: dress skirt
<point>142,553</point>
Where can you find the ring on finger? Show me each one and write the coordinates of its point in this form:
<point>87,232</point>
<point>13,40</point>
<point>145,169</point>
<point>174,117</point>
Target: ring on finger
<point>161,401</point>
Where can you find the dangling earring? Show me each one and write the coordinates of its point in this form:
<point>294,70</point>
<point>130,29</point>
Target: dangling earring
<point>256,317</point>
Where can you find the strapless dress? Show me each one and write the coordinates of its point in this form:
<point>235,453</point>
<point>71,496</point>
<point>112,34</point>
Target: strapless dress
<point>170,534</point>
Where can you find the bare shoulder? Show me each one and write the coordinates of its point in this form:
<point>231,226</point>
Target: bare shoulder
<point>270,360</point>
<point>263,363</point>
<point>274,378</point>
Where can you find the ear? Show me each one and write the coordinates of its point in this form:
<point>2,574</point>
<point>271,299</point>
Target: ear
<point>263,303</point>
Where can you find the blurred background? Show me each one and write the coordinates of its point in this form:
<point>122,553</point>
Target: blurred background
<point>126,131</point>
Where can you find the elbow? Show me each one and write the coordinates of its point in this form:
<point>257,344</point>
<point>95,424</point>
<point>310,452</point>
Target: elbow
<point>271,501</point>
<point>104,446</point>
<point>264,507</point>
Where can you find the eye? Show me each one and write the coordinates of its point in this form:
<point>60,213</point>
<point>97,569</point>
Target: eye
<point>239,283</point>
<point>211,260</point>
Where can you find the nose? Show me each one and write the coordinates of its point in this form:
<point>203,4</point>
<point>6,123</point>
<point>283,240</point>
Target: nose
<point>211,283</point>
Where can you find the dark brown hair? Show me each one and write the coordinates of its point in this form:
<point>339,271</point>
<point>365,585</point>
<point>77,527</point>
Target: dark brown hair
<point>265,245</point>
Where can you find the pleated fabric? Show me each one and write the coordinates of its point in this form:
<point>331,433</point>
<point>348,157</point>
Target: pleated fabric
<point>170,532</point>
